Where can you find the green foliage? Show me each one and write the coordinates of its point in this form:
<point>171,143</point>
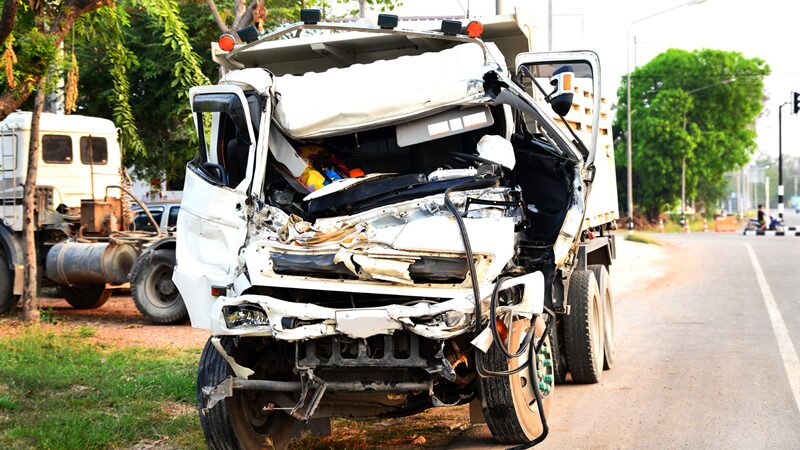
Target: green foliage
<point>642,239</point>
<point>106,25</point>
<point>36,52</point>
<point>142,81</point>
<point>699,105</point>
<point>58,391</point>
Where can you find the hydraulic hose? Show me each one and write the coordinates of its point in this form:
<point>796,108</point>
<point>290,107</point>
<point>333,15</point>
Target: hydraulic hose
<point>533,350</point>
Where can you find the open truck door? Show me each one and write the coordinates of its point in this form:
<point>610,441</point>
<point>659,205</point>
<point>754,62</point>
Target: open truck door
<point>219,182</point>
<point>556,78</point>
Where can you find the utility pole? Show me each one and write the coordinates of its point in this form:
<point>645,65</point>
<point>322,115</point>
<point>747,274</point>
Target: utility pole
<point>739,194</point>
<point>549,25</point>
<point>499,7</point>
<point>780,162</point>
<point>766,195</point>
<point>683,192</point>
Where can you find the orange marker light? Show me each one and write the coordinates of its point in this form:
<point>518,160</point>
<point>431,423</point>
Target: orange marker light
<point>226,42</point>
<point>475,29</point>
<point>567,82</point>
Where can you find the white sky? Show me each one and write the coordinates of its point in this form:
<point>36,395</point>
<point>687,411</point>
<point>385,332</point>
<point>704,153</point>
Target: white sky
<point>766,29</point>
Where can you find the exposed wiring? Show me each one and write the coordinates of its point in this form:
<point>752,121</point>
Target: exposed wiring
<point>531,363</point>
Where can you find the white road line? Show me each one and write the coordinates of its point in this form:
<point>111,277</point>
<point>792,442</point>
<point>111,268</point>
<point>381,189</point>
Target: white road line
<point>791,362</point>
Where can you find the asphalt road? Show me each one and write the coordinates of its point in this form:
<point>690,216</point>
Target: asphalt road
<point>699,363</point>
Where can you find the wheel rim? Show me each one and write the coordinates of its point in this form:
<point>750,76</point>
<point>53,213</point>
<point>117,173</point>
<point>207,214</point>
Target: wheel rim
<point>522,390</point>
<point>161,291</point>
<point>609,322</point>
<point>598,337</point>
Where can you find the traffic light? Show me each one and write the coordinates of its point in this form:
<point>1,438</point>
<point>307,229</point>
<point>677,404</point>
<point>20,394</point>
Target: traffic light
<point>795,102</point>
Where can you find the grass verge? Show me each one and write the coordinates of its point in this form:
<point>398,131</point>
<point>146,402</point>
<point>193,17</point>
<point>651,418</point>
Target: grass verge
<point>642,239</point>
<point>59,389</point>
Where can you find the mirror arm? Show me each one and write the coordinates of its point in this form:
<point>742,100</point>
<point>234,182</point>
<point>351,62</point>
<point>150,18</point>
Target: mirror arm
<point>527,72</point>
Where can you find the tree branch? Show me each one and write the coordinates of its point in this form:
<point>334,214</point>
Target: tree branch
<point>217,18</point>
<point>246,18</point>
<point>8,19</point>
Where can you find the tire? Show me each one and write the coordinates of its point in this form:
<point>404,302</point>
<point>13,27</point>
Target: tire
<point>228,425</point>
<point>603,278</point>
<point>509,405</point>
<point>152,289</point>
<point>583,328</point>
<point>7,298</point>
<point>86,296</point>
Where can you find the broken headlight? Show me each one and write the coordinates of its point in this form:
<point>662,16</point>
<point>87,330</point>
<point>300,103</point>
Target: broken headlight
<point>246,315</point>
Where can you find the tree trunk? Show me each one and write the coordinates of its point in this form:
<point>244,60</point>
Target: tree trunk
<point>8,19</point>
<point>362,8</point>
<point>30,303</point>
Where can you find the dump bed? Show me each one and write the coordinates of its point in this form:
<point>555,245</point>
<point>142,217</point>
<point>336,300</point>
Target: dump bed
<point>603,206</point>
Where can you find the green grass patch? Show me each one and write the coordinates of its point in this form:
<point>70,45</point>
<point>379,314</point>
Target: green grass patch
<point>59,391</point>
<point>642,239</point>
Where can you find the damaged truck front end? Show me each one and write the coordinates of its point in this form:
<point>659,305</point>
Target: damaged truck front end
<point>359,240</point>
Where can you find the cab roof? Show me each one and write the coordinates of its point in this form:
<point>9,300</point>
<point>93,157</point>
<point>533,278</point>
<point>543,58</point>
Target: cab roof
<point>21,120</point>
<point>315,52</point>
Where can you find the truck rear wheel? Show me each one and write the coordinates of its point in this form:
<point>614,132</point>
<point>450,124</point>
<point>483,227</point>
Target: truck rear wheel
<point>509,403</point>
<point>242,421</point>
<point>152,289</point>
<point>603,277</point>
<point>86,296</point>
<point>583,328</point>
<point>7,298</point>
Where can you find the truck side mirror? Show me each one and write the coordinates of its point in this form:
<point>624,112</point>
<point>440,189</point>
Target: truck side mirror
<point>561,97</point>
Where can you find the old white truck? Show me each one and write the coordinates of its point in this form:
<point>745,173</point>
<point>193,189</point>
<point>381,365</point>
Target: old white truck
<point>381,221</point>
<point>82,241</point>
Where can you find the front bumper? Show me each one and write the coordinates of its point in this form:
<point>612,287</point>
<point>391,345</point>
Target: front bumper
<point>290,321</point>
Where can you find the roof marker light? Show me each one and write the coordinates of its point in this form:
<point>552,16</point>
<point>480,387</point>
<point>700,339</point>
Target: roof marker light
<point>226,42</point>
<point>387,21</point>
<point>451,27</point>
<point>475,29</point>
<point>248,34</point>
<point>310,16</point>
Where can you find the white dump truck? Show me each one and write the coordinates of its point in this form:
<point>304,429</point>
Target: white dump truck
<point>82,239</point>
<point>381,221</point>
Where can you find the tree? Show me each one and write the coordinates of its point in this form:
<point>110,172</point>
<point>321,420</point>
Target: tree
<point>33,37</point>
<point>43,26</point>
<point>701,105</point>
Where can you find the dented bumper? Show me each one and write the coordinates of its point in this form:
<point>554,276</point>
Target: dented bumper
<point>291,321</point>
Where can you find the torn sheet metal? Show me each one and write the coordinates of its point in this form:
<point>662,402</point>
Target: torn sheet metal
<point>240,371</point>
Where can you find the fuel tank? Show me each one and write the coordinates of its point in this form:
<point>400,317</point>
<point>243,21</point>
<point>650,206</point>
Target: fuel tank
<point>90,263</point>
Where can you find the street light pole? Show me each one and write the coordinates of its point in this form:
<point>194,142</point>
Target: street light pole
<point>780,162</point>
<point>628,65</point>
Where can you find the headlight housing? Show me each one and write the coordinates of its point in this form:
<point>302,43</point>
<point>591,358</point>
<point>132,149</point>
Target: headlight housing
<point>245,315</point>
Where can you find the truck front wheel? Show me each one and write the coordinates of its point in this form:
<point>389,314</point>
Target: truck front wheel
<point>583,328</point>
<point>86,296</point>
<point>153,291</point>
<point>243,421</point>
<point>509,403</point>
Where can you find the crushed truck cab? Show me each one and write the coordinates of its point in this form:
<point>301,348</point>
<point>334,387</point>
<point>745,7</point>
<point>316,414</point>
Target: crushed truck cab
<point>389,228</point>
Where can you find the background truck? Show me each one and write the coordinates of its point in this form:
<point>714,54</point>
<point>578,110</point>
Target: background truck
<point>81,216</point>
<point>380,221</point>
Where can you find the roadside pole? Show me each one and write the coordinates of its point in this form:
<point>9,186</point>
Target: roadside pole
<point>766,195</point>
<point>780,162</point>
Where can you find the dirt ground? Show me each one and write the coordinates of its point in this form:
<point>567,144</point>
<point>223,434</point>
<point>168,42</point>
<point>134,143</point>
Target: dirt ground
<point>119,323</point>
